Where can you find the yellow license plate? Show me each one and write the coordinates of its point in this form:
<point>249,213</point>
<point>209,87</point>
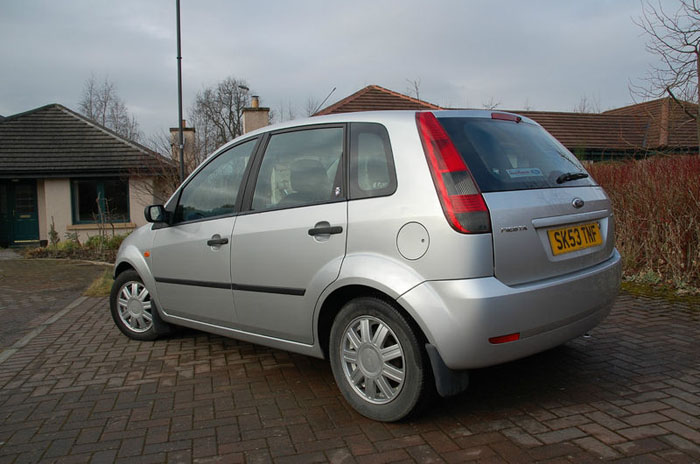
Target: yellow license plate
<point>575,238</point>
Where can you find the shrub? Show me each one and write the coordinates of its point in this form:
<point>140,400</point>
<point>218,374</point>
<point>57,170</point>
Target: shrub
<point>95,242</point>
<point>68,246</point>
<point>95,248</point>
<point>657,217</point>
<point>115,242</point>
<point>53,235</point>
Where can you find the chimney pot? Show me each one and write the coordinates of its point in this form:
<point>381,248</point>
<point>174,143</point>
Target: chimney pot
<point>255,103</point>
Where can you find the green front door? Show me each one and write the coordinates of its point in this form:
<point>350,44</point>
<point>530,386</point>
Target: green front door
<point>19,221</point>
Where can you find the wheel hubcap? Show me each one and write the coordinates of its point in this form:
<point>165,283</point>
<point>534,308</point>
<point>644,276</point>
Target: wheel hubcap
<point>373,359</point>
<point>134,307</point>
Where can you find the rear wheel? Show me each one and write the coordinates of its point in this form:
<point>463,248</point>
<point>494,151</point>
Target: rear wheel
<point>131,307</point>
<point>377,360</point>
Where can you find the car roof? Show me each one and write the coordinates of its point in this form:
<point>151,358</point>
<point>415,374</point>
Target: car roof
<point>385,116</point>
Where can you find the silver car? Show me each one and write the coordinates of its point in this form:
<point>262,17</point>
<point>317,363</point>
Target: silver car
<point>406,247</point>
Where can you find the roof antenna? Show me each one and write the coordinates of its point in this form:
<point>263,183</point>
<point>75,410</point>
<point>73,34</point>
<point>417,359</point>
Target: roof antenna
<point>324,101</point>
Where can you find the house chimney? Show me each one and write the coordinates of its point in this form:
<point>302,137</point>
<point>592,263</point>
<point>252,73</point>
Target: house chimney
<point>664,123</point>
<point>255,116</point>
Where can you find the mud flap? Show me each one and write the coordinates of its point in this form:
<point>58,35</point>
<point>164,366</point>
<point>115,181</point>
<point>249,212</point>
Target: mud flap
<point>448,382</point>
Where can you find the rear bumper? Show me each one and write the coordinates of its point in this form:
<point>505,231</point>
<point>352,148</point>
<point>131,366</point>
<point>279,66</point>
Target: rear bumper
<point>459,316</point>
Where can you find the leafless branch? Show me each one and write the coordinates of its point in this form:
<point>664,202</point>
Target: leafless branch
<point>101,103</point>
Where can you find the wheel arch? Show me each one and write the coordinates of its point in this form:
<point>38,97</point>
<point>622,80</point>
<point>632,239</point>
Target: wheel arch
<point>130,257</point>
<point>334,302</point>
<point>121,267</point>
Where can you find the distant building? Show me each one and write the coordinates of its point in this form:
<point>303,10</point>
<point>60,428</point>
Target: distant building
<point>651,127</point>
<point>59,167</point>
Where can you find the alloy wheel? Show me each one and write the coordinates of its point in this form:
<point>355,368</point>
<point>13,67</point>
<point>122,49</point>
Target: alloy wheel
<point>134,307</point>
<point>372,359</point>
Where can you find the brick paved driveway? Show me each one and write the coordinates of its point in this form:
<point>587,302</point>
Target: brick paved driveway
<point>31,291</point>
<point>82,392</point>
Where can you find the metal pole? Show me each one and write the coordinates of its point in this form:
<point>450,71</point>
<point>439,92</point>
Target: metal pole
<point>179,97</point>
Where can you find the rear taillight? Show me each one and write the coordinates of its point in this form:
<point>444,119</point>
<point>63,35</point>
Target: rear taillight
<point>460,197</point>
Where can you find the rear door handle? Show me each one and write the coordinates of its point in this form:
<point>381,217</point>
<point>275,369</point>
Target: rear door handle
<point>329,230</point>
<point>217,240</point>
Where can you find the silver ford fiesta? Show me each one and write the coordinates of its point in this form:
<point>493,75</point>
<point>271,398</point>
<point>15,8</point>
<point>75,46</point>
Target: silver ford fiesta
<point>407,247</point>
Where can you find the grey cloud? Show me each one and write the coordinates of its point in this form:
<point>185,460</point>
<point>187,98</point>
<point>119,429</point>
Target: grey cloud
<point>550,53</point>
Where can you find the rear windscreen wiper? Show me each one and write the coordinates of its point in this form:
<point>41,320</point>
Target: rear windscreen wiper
<point>568,176</point>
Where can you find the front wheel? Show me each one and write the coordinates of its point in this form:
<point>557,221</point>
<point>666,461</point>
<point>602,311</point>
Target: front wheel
<point>377,360</point>
<point>131,307</point>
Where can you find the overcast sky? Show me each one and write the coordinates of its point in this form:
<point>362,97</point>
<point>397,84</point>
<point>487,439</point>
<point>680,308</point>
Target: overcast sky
<point>543,54</point>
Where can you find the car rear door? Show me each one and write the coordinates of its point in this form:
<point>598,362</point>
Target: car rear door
<point>541,234</point>
<point>548,218</point>
<point>289,247</point>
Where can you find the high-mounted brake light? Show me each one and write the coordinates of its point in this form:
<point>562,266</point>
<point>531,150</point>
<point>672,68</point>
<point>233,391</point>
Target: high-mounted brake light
<point>459,195</point>
<point>506,117</point>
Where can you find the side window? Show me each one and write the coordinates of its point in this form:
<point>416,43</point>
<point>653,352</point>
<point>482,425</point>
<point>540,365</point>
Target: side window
<point>371,161</point>
<point>214,190</point>
<point>300,168</point>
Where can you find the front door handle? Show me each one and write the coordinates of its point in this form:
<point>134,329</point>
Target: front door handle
<point>217,240</point>
<point>329,230</point>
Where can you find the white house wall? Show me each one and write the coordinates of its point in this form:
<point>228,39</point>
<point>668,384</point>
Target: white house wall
<point>140,196</point>
<point>56,200</point>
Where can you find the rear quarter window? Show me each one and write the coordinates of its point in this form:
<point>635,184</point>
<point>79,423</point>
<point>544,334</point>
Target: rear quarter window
<point>508,155</point>
<point>372,171</point>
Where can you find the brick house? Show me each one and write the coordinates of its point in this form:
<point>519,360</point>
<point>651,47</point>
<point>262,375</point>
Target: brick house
<point>658,126</point>
<point>59,167</point>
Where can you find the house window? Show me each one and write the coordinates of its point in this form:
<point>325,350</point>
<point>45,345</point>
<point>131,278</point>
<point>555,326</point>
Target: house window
<point>100,200</point>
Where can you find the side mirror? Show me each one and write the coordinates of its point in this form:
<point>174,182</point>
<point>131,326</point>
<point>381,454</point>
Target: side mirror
<point>155,213</point>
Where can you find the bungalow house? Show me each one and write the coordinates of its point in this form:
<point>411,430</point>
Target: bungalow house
<point>658,126</point>
<point>61,170</point>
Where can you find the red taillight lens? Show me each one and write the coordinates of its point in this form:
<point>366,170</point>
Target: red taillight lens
<point>505,338</point>
<point>460,198</point>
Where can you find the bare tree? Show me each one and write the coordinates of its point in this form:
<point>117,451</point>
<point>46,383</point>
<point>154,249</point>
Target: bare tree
<point>414,88</point>
<point>674,36</point>
<point>285,111</point>
<point>587,105</point>
<point>162,176</point>
<point>101,103</point>
<point>312,105</point>
<point>491,104</point>
<point>217,113</point>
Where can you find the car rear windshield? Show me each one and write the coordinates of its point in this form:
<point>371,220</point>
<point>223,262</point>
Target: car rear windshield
<point>508,155</point>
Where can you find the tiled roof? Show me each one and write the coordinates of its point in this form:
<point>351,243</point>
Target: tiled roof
<point>632,128</point>
<point>374,97</point>
<point>591,131</point>
<point>668,124</point>
<point>53,141</point>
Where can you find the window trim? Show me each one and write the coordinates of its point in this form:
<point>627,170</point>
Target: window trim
<point>100,192</point>
<point>252,178</point>
<point>355,191</point>
<point>171,205</point>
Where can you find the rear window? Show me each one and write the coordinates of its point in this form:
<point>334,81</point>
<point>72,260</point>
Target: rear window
<point>505,155</point>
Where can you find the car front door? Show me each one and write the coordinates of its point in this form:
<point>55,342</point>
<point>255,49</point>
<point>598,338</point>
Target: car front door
<point>290,245</point>
<point>191,257</point>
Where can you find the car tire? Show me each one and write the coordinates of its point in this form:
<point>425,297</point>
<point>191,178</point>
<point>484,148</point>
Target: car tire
<point>133,310</point>
<point>378,361</point>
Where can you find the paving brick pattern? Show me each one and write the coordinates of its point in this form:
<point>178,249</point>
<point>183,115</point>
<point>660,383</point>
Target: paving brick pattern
<point>31,291</point>
<point>82,392</point>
